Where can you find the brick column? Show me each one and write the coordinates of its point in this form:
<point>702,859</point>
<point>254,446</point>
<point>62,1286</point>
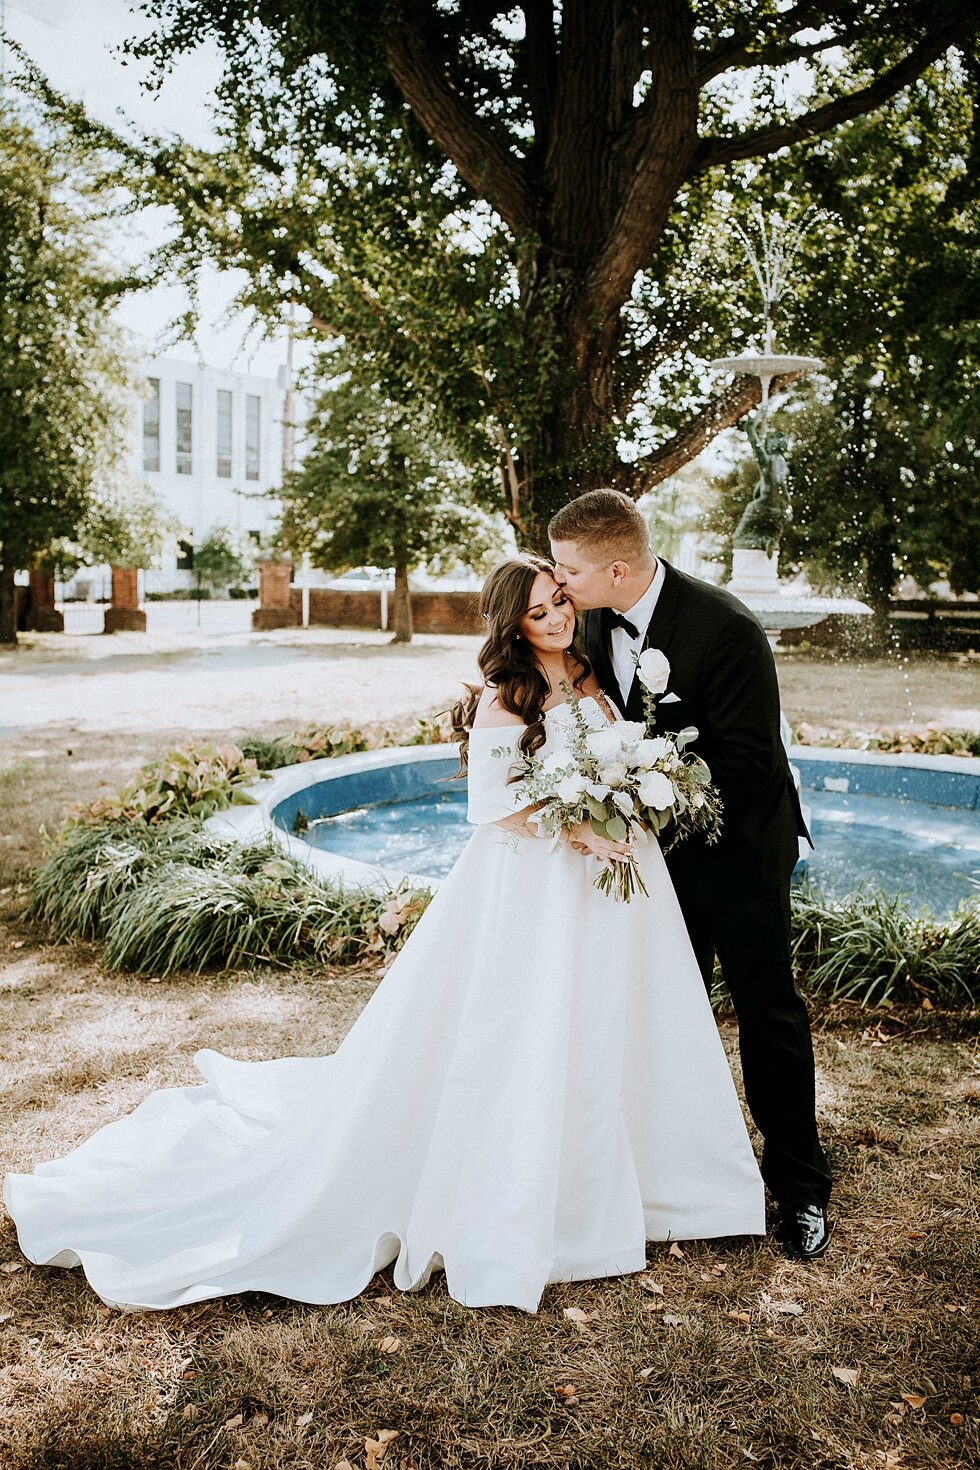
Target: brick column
<point>274,609</point>
<point>124,616</point>
<point>41,615</point>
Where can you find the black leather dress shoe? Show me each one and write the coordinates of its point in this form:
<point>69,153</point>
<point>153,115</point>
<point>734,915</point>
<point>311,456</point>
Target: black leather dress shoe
<point>804,1232</point>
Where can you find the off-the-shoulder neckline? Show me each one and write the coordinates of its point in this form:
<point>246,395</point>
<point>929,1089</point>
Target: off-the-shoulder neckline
<point>500,730</point>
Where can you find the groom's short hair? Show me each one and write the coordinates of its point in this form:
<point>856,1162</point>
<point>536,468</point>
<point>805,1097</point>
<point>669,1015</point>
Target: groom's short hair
<point>605,526</point>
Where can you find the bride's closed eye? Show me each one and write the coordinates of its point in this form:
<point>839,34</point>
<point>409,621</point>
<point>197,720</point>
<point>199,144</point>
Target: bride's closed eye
<point>558,602</point>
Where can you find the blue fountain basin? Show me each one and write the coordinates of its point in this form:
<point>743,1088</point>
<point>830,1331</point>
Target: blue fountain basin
<point>907,824</point>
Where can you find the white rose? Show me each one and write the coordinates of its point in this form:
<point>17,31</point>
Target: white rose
<point>604,744</point>
<point>653,670</point>
<point>630,731</point>
<point>656,791</point>
<point>648,752</point>
<point>613,773</point>
<point>570,788</point>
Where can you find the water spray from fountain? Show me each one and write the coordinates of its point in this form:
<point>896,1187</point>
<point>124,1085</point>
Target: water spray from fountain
<point>770,248</point>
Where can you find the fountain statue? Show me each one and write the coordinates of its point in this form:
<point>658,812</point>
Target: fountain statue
<point>755,544</point>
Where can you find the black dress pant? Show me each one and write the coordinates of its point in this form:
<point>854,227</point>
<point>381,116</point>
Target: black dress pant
<point>752,941</point>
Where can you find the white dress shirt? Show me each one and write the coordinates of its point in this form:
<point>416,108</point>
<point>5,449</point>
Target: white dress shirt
<point>622,648</point>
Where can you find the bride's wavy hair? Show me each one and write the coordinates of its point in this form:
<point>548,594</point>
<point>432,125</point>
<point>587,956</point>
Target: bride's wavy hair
<point>506,660</point>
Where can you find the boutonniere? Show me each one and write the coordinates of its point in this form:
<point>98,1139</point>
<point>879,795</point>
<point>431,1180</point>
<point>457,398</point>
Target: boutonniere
<point>653,672</point>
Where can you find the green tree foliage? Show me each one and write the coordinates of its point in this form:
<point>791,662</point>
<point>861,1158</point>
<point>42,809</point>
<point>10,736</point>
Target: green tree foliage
<point>63,372</point>
<point>226,558</point>
<point>380,487</point>
<point>512,214</point>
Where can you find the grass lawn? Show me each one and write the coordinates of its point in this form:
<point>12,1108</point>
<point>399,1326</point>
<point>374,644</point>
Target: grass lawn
<point>723,1356</point>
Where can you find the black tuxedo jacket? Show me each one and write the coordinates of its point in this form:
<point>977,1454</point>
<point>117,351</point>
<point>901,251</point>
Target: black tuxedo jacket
<point>724,675</point>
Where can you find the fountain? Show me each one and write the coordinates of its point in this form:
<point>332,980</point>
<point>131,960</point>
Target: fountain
<point>908,824</point>
<point>755,545</point>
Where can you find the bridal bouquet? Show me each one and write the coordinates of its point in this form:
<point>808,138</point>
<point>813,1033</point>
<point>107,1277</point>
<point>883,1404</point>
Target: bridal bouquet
<point>625,782</point>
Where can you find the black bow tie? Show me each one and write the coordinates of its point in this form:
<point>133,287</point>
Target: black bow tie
<point>616,620</point>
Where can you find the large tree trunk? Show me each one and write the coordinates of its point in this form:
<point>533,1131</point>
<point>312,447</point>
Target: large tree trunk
<point>403,605</point>
<point>8,606</point>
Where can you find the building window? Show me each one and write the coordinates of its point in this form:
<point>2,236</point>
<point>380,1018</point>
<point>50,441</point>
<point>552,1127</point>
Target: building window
<point>185,556</point>
<point>151,427</point>
<point>224,434</point>
<point>185,429</point>
<point>253,406</point>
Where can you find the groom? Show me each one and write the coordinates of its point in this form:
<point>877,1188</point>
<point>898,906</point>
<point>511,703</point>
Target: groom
<point>735,894</point>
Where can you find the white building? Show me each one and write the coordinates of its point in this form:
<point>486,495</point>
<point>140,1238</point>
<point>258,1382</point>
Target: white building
<point>209,442</point>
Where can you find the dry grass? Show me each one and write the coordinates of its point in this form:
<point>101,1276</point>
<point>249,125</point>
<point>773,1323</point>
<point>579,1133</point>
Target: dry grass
<point>718,1369</point>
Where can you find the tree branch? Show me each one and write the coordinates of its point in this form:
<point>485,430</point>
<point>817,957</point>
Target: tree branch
<point>721,412</point>
<point>763,141</point>
<point>737,50</point>
<point>488,166</point>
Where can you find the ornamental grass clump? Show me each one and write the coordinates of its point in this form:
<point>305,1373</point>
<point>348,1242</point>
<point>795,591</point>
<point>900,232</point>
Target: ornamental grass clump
<point>93,866</point>
<point>171,897</point>
<point>872,949</point>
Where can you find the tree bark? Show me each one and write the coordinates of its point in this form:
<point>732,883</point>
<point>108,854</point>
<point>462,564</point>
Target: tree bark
<point>8,607</point>
<point>402,605</point>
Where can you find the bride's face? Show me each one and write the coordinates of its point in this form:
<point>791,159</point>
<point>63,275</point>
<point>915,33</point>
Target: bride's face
<point>549,622</point>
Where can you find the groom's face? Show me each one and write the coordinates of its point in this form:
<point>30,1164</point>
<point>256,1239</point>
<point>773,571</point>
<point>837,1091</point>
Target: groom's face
<point>587,585</point>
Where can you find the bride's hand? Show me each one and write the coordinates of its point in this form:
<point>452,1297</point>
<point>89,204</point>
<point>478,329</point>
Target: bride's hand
<point>583,839</point>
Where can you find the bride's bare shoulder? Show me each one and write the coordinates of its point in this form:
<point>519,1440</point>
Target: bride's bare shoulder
<point>490,714</point>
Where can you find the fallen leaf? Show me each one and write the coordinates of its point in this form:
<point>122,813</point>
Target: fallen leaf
<point>259,1420</point>
<point>11,1266</point>
<point>956,1420</point>
<point>847,1376</point>
<point>739,1316</point>
<point>18,943</point>
<point>914,1400</point>
<point>669,1320</point>
<point>648,1284</point>
<point>376,1449</point>
<point>242,1465</point>
<point>788,1309</point>
<point>343,1465</point>
<point>676,1252</point>
<point>235,1423</point>
<point>267,1315</point>
<point>937,1178</point>
<point>645,1372</point>
<point>191,1411</point>
<point>390,1345</point>
<point>304,1419</point>
<point>564,1389</point>
<point>576,1315</point>
<point>927,1004</point>
<point>916,1234</point>
<point>889,1457</point>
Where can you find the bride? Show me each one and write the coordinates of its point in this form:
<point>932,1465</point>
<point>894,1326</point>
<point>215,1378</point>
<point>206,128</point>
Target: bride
<point>534,1091</point>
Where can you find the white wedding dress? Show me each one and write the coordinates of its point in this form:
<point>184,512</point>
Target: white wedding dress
<point>535,1090</point>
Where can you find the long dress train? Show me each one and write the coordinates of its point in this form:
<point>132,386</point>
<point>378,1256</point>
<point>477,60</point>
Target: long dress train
<point>536,1089</point>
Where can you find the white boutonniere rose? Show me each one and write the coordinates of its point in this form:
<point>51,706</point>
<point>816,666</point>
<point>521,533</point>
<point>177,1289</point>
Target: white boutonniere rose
<point>653,669</point>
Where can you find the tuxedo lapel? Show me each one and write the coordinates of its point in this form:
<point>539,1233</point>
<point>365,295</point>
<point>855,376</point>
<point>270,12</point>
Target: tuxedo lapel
<point>659,634</point>
<point>597,649</point>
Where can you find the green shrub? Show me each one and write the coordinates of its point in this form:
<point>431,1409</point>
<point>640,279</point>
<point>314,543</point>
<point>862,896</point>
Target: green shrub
<point>191,780</point>
<point>932,740</point>
<point>870,948</point>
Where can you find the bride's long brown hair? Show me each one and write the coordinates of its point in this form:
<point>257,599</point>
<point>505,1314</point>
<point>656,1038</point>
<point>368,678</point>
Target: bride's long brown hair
<point>506,660</point>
